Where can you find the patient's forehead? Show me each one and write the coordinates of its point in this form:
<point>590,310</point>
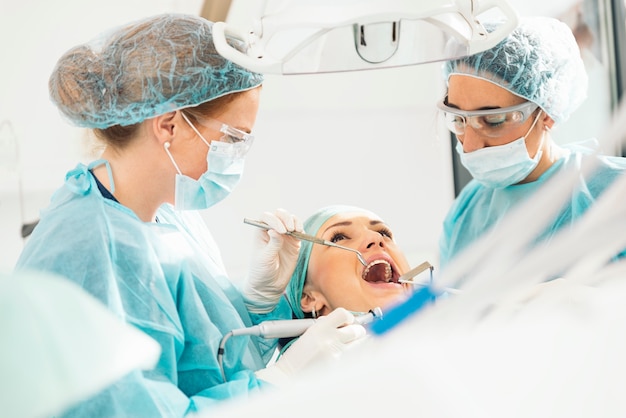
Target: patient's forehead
<point>356,216</point>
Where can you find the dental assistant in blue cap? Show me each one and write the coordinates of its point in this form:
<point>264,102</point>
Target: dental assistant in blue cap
<point>502,104</point>
<point>176,121</point>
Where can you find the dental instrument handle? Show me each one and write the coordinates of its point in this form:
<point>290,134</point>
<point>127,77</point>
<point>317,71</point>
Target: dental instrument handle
<point>306,237</point>
<point>409,275</point>
<point>370,316</point>
<point>285,328</point>
<point>296,327</point>
<point>300,235</point>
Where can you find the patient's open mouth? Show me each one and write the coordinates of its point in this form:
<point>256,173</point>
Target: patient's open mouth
<point>378,271</point>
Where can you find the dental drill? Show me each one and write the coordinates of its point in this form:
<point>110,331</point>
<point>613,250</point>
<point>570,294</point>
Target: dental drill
<point>296,327</point>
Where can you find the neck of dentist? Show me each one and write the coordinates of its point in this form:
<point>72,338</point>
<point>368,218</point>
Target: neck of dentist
<point>140,184</point>
<point>142,172</point>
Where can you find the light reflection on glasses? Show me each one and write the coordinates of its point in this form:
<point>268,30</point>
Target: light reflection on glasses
<point>492,123</point>
<point>231,135</point>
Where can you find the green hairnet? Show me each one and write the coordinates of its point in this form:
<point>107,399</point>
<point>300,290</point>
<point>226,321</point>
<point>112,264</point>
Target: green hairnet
<point>539,61</point>
<point>144,69</point>
<point>311,226</point>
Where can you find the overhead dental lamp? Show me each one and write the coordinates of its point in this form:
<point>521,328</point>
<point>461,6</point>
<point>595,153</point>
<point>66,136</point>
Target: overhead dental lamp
<point>325,36</point>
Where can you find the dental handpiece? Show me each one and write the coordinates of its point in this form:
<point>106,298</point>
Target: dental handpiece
<point>306,237</point>
<point>296,327</point>
<point>284,329</point>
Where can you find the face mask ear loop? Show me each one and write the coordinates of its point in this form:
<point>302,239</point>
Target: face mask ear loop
<point>167,149</point>
<point>533,125</point>
<point>531,128</point>
<point>194,129</point>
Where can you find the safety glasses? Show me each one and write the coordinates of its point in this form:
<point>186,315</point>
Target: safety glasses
<point>492,123</point>
<point>231,135</point>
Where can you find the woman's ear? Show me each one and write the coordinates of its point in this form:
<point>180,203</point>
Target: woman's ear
<point>164,126</point>
<point>548,122</point>
<point>312,301</point>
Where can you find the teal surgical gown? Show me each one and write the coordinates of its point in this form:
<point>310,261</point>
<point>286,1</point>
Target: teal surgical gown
<point>477,208</point>
<point>167,279</point>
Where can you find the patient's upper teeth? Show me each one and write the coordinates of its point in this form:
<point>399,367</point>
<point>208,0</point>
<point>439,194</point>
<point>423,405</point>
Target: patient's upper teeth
<point>378,271</point>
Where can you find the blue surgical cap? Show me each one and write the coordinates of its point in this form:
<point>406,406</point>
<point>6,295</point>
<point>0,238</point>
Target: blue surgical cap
<point>311,226</point>
<point>145,69</point>
<point>539,61</point>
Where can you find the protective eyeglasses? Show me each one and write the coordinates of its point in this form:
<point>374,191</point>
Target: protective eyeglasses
<point>231,135</point>
<point>492,123</point>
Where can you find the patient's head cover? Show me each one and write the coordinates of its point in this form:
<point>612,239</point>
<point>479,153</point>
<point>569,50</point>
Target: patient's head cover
<point>311,226</point>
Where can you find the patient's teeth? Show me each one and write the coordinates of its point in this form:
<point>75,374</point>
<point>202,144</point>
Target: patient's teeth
<point>378,271</point>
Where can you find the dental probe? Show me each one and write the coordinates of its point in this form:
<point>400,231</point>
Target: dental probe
<point>306,237</point>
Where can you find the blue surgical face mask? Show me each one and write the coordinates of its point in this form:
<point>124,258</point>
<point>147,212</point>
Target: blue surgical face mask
<point>502,165</point>
<point>225,163</point>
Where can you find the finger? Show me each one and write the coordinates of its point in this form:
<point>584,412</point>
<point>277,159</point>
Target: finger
<point>299,226</point>
<point>273,222</point>
<point>351,333</point>
<point>262,237</point>
<point>289,220</point>
<point>337,318</point>
<point>275,242</point>
<point>291,246</point>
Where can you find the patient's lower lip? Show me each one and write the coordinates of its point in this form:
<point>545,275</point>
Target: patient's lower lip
<point>383,284</point>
